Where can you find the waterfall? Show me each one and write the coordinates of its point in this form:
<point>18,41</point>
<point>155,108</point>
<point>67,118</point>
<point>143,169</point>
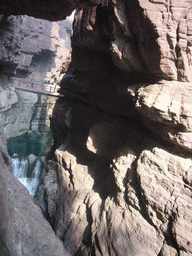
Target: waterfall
<point>37,169</point>
<point>20,170</point>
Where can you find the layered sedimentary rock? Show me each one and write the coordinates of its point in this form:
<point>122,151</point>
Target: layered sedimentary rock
<point>166,110</point>
<point>118,177</point>
<point>126,188</point>
<point>32,51</point>
<point>152,37</point>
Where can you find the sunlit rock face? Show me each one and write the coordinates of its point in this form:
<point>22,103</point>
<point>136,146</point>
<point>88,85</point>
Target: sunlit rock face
<point>125,199</point>
<point>145,36</point>
<point>32,51</point>
<point>166,110</point>
<point>149,42</point>
<point>118,178</point>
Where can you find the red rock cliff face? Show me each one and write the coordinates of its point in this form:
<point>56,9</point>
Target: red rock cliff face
<point>118,177</point>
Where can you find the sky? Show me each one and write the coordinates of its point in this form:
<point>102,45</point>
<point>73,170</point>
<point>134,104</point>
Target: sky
<point>71,17</point>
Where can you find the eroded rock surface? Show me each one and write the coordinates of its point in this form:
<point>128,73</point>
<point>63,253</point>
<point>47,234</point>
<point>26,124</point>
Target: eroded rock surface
<point>166,109</point>
<point>118,177</point>
<point>32,51</point>
<point>132,197</point>
<point>145,36</point>
<point>126,188</point>
<point>23,229</point>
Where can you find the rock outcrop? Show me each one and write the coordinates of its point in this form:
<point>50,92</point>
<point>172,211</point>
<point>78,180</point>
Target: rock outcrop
<point>32,50</point>
<point>118,178</point>
<point>131,197</point>
<point>23,229</point>
<point>126,188</point>
<point>166,110</point>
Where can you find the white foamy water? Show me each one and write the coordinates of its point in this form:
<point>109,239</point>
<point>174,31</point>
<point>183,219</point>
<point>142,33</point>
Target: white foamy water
<point>20,168</point>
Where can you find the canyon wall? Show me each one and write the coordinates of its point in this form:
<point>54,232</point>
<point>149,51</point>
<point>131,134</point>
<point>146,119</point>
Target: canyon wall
<point>32,50</point>
<point>118,181</point>
<point>118,177</point>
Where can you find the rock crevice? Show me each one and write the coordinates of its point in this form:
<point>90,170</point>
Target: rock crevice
<point>118,178</point>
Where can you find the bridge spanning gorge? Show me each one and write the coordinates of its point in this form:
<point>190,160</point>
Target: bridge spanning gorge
<point>36,87</point>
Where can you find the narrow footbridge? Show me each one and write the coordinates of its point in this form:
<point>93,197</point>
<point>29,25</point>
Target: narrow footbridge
<point>36,87</point>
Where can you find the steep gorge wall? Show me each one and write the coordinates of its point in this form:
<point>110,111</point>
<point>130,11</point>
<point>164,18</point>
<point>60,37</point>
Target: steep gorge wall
<point>31,50</point>
<point>118,177</point>
<point>118,181</point>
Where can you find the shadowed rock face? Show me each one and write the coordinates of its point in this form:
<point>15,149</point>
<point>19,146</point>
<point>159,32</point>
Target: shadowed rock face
<point>50,10</point>
<point>118,177</point>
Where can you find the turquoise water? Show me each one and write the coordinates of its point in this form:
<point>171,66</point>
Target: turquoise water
<point>20,148</point>
<point>37,144</point>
